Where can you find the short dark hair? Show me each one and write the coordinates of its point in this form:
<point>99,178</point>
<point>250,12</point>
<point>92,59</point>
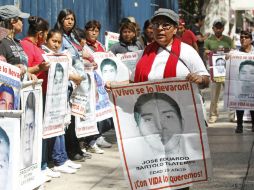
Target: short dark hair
<point>146,24</point>
<point>108,62</point>
<point>58,68</point>
<point>220,58</point>
<point>247,62</point>
<point>144,98</point>
<point>6,88</point>
<point>5,139</point>
<point>93,24</point>
<point>247,33</point>
<point>52,32</point>
<point>30,103</point>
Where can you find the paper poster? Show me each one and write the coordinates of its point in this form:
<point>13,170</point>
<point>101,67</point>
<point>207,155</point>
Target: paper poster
<point>31,136</point>
<point>239,84</point>
<point>130,59</point>
<point>110,39</point>
<point>9,86</point>
<point>164,121</point>
<point>110,68</point>
<point>217,67</point>
<point>9,150</point>
<point>83,96</point>
<point>56,98</point>
<point>85,127</point>
<point>103,105</point>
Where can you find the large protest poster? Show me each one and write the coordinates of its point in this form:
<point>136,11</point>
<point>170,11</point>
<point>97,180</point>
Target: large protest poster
<point>103,105</point>
<point>31,135</point>
<point>110,68</point>
<point>239,84</point>
<point>83,102</point>
<point>56,98</point>
<point>9,149</point>
<point>217,69</point>
<point>110,39</point>
<point>10,85</point>
<point>130,59</point>
<point>164,121</point>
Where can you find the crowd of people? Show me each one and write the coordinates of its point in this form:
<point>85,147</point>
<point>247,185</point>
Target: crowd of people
<point>162,35</point>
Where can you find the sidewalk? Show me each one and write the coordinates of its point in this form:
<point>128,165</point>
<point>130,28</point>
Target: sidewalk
<point>232,160</point>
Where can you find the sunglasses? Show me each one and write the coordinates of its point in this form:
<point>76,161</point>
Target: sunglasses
<point>165,26</point>
<point>244,37</point>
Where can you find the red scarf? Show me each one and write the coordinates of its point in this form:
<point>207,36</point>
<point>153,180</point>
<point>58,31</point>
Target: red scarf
<point>144,65</point>
<point>95,45</point>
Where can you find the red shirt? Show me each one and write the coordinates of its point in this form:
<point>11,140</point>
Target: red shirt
<point>188,37</point>
<point>34,54</point>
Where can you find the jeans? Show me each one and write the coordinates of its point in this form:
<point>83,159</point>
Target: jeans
<point>59,154</point>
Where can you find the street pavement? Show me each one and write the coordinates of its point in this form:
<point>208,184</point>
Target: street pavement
<point>232,161</point>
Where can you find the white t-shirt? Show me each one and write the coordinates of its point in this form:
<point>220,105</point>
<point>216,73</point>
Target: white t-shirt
<point>189,56</point>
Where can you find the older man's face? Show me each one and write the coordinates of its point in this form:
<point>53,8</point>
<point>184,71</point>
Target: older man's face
<point>164,30</point>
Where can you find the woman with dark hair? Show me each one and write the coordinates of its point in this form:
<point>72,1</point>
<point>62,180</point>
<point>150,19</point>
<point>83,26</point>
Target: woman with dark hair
<point>127,40</point>
<point>32,45</point>
<point>66,22</point>
<point>147,36</point>
<point>11,18</point>
<point>36,36</point>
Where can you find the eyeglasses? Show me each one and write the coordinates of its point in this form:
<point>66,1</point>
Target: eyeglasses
<point>165,26</point>
<point>244,37</point>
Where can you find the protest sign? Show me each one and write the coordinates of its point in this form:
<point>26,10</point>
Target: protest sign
<point>31,135</point>
<point>56,98</point>
<point>164,121</point>
<point>85,127</point>
<point>83,96</point>
<point>103,105</point>
<point>110,39</point>
<point>9,149</point>
<point>217,64</point>
<point>110,68</point>
<point>10,85</point>
<point>130,59</point>
<point>239,84</point>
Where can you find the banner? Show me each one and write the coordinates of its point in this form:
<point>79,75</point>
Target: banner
<point>9,149</point>
<point>110,39</point>
<point>130,59</point>
<point>31,136</point>
<point>10,85</point>
<point>103,105</point>
<point>239,85</point>
<point>217,67</point>
<point>164,121</point>
<point>85,127</point>
<point>56,98</point>
<point>110,68</point>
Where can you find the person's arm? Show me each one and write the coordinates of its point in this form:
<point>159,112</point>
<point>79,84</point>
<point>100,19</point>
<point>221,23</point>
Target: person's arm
<point>201,80</point>
<point>76,78</point>
<point>44,66</point>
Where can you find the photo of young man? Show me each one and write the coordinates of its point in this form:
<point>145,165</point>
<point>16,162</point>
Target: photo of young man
<point>6,97</point>
<point>4,158</point>
<point>160,121</point>
<point>28,132</point>
<point>108,70</point>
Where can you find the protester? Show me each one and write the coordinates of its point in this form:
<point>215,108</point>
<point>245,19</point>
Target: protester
<point>59,155</point>
<point>147,36</point>
<point>196,29</point>
<point>127,40</point>
<point>184,62</point>
<point>186,36</point>
<point>92,30</point>
<point>217,43</point>
<point>66,23</point>
<point>12,19</point>
<point>36,36</point>
<point>245,69</point>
